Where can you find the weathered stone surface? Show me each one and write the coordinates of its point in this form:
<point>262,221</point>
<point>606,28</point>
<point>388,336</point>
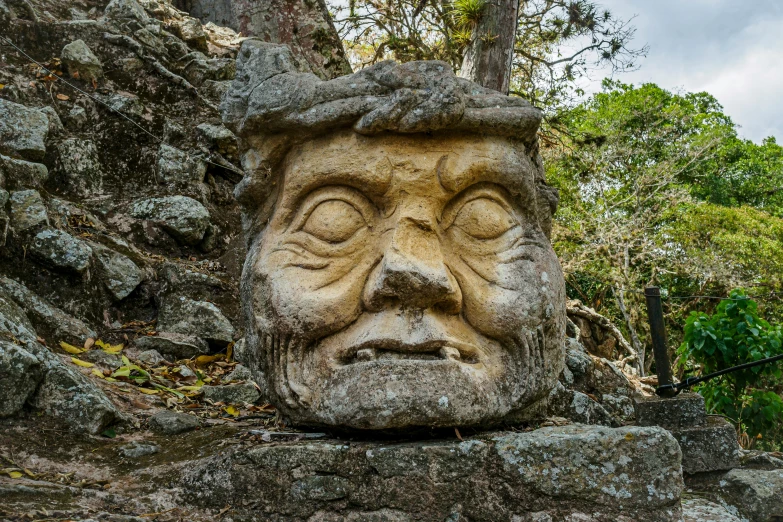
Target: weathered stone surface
<point>172,423</point>
<point>626,474</point>
<point>184,218</point>
<point>61,251</point>
<point>81,62</point>
<point>23,131</point>
<point>240,373</point>
<point>76,118</point>
<point>173,346</point>
<point>20,174</point>
<point>27,210</point>
<point>419,324</point>
<point>178,168</point>
<point>200,69</point>
<point>126,10</point>
<point>14,324</point>
<point>126,103</point>
<point>135,450</point>
<point>711,447</point>
<point>232,393</point>
<point>578,407</point>
<point>190,31</point>
<point>104,360</point>
<point>118,272</point>
<point>46,317</point>
<point>20,373</point>
<point>218,136</point>
<point>150,358</point>
<point>757,495</point>
<point>683,411</point>
<point>68,395</point>
<point>702,510</point>
<point>79,166</point>
<point>199,318</point>
<point>55,125</point>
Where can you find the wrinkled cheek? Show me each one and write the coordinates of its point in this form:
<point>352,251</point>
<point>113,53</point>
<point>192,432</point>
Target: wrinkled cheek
<point>311,304</point>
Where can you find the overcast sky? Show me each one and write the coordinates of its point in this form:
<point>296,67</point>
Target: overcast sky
<point>732,49</point>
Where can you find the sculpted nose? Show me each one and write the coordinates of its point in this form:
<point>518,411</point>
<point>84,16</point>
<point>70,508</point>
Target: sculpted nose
<point>412,273</point>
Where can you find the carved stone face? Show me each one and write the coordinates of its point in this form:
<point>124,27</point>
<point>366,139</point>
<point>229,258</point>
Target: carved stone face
<point>403,281</point>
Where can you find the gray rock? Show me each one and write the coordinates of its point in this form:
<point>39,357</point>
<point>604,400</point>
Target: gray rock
<point>80,166</point>
<point>199,68</point>
<point>172,423</point>
<point>577,359</point>
<point>173,346</point>
<point>578,407</point>
<point>4,197</point>
<point>77,118</point>
<point>20,373</point>
<point>219,137</point>
<point>61,211</point>
<point>176,167</point>
<point>27,210</point>
<point>126,103</point>
<point>619,406</point>
<point>70,396</point>
<point>702,510</point>
<point>240,373</point>
<point>61,251</point>
<point>20,174</point>
<point>14,324</point>
<point>55,124</point>
<point>150,358</point>
<point>232,393</point>
<point>45,316</point>
<point>757,495</point>
<point>199,318</point>
<point>711,447</point>
<point>126,10</point>
<point>120,275</point>
<point>685,410</point>
<point>81,62</point>
<point>753,459</point>
<point>624,474</point>
<point>184,218</point>
<point>23,131</point>
<point>102,359</point>
<point>137,449</point>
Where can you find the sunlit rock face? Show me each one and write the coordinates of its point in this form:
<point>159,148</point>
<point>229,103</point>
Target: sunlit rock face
<point>399,271</point>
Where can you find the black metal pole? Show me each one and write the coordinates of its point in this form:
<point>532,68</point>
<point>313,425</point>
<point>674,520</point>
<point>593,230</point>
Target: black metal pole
<point>658,332</point>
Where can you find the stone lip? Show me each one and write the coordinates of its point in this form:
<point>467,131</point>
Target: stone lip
<point>630,473</point>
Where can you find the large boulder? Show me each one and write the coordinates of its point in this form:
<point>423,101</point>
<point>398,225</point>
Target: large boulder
<point>79,166</point>
<point>61,251</point>
<point>46,317</point>
<point>23,131</point>
<point>20,174</point>
<point>119,273</point>
<point>81,62</point>
<point>173,345</point>
<point>182,217</point>
<point>20,373</point>
<point>27,210</point>
<point>178,168</point>
<point>199,318</point>
<point>757,495</point>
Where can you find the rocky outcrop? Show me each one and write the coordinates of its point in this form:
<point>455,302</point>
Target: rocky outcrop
<point>23,131</point>
<point>81,62</point>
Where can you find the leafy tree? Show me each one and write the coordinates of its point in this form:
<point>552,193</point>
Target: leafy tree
<point>542,70</point>
<point>635,165</point>
<point>733,335</point>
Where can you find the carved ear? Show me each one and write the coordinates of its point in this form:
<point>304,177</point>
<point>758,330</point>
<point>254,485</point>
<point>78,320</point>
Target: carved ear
<point>547,199</point>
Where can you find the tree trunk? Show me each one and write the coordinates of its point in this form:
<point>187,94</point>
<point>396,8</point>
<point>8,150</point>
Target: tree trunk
<point>304,25</point>
<point>488,57</point>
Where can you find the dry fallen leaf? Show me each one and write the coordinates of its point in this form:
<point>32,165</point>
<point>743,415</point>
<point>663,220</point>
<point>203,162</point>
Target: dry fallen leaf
<point>83,364</point>
<point>148,391</point>
<point>231,411</point>
<point>88,343</point>
<point>71,348</point>
<point>63,97</point>
<point>96,372</point>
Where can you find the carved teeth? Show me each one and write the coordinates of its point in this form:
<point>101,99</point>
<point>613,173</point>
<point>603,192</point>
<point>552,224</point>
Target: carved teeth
<point>449,352</point>
<point>365,354</point>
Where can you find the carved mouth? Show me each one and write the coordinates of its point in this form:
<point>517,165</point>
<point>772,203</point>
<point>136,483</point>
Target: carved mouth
<point>395,350</point>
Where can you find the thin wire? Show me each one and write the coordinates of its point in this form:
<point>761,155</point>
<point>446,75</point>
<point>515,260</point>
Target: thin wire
<point>765,296</point>
<point>159,140</point>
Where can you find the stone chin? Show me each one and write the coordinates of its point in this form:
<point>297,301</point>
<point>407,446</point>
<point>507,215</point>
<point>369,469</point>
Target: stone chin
<point>405,281</point>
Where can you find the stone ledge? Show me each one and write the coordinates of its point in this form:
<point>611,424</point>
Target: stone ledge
<point>712,447</point>
<point>684,411</point>
<point>619,475</point>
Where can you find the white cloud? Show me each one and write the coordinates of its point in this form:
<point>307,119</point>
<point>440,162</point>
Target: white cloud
<point>733,50</point>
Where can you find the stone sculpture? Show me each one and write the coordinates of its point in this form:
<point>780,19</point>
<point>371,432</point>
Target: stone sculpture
<point>399,270</point>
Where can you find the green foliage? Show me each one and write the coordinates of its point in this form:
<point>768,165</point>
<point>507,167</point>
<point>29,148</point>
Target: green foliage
<point>733,335</point>
<point>467,12</point>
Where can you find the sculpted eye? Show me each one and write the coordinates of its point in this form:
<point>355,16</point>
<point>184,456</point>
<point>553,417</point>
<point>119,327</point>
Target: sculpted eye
<point>334,221</point>
<point>483,218</point>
